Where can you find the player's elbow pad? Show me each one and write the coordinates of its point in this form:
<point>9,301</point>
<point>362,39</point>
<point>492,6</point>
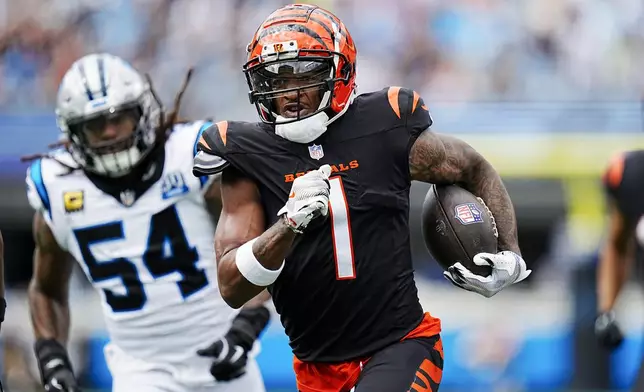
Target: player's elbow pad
<point>205,164</point>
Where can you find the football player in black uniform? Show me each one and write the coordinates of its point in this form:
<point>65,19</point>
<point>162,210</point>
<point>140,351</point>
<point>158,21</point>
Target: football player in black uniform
<point>624,183</point>
<point>316,208</point>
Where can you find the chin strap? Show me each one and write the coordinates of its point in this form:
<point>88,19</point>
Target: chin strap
<point>310,128</point>
<point>302,131</point>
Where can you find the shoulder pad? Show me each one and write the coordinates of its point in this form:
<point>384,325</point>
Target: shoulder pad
<point>407,104</point>
<point>208,150</point>
<point>212,138</point>
<point>614,173</point>
<point>624,171</point>
<point>205,164</point>
<point>192,131</point>
<point>36,191</point>
<point>409,107</point>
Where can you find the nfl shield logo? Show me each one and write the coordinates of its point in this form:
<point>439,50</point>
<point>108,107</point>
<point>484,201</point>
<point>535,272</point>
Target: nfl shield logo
<point>127,197</point>
<point>468,213</point>
<point>316,152</point>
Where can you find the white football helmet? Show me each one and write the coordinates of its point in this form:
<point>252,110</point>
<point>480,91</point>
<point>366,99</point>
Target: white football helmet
<point>95,89</point>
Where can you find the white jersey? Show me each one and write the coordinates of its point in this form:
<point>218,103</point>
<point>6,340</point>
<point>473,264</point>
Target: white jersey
<point>153,263</point>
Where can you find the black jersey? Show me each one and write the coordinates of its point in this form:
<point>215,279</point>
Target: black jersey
<point>347,288</point>
<point>624,182</point>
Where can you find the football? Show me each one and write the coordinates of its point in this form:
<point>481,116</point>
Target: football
<point>457,225</point>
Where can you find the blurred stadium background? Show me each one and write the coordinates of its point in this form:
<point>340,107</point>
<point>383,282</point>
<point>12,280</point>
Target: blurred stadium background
<point>548,90</point>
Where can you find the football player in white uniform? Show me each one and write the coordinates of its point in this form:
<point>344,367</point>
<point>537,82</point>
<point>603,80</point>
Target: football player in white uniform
<point>120,198</point>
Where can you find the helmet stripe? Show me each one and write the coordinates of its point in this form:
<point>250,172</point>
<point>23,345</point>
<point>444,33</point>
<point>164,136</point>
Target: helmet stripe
<point>327,28</point>
<point>286,18</point>
<point>292,27</point>
<point>101,75</point>
<point>332,18</point>
<point>81,71</point>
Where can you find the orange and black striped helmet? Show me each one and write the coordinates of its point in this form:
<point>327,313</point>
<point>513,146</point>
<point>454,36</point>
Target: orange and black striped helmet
<point>310,43</point>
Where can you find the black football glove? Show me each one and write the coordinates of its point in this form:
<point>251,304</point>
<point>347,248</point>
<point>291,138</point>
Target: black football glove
<point>55,368</point>
<point>607,331</point>
<point>230,352</point>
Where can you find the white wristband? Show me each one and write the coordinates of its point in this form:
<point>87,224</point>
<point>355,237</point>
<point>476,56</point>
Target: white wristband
<point>252,269</point>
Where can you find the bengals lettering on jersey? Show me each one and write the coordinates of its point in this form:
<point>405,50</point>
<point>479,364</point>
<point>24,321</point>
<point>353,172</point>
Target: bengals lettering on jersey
<point>359,259</point>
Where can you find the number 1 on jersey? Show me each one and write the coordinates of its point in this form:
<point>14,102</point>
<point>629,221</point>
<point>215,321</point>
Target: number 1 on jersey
<point>341,231</point>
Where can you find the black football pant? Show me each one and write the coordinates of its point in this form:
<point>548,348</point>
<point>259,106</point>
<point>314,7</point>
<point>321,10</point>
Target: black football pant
<point>412,365</point>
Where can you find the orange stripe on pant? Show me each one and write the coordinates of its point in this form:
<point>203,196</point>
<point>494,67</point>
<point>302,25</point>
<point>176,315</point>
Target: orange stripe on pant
<point>341,377</point>
<point>427,371</point>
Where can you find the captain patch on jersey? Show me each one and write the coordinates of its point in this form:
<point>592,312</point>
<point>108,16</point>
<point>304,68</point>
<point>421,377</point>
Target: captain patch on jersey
<point>74,201</point>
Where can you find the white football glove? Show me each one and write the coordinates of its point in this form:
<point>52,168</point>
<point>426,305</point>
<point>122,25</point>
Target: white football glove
<point>308,199</point>
<point>508,268</point>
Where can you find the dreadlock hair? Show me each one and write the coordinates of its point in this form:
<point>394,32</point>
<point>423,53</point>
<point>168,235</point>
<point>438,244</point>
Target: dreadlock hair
<point>162,132</point>
<point>167,125</point>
